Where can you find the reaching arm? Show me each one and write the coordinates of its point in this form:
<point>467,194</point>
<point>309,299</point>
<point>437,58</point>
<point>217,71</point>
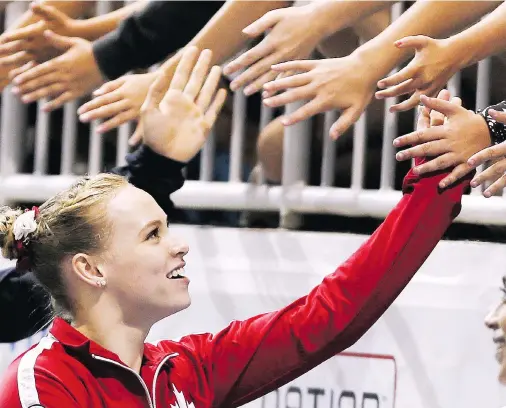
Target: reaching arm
<point>96,27</point>
<point>337,312</point>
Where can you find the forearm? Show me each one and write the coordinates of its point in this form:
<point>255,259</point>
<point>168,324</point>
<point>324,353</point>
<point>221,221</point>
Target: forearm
<point>96,27</point>
<point>72,9</point>
<point>331,16</point>
<point>452,16</point>
<point>485,38</point>
<point>223,33</point>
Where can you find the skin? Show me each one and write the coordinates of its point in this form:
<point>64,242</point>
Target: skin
<point>120,292</point>
<point>496,321</point>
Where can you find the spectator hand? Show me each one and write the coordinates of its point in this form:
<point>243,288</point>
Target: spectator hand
<point>31,39</point>
<point>435,62</point>
<point>496,155</point>
<point>118,101</point>
<point>73,74</point>
<point>176,122</point>
<point>290,38</point>
<point>463,134</point>
<point>345,83</point>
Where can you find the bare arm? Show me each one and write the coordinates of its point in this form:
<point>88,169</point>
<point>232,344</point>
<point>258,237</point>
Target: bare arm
<point>420,19</point>
<point>96,27</point>
<point>72,9</point>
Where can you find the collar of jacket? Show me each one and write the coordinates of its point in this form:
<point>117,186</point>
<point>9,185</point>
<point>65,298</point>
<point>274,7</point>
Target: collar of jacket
<point>72,338</point>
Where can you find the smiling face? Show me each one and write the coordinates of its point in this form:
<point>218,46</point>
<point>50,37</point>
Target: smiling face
<point>143,263</point>
<point>496,321</point>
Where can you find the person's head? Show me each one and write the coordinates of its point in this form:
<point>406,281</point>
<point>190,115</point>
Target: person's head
<point>103,244</point>
<point>496,321</point>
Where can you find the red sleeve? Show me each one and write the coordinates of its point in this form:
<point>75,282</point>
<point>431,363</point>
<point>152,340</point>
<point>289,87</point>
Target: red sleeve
<point>252,357</point>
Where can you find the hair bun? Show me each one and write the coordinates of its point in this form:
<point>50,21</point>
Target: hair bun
<point>7,241</point>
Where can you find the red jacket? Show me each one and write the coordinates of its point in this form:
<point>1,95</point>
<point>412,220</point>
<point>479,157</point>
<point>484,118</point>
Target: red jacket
<point>248,358</point>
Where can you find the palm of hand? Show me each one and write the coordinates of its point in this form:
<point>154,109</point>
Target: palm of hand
<point>166,129</point>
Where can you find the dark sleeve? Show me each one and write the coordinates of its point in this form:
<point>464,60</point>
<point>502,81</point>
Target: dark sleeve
<point>155,174</point>
<point>150,35</point>
<point>24,307</point>
<point>497,130</point>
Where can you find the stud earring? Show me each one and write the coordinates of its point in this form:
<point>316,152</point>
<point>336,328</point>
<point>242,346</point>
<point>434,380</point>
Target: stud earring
<point>101,283</point>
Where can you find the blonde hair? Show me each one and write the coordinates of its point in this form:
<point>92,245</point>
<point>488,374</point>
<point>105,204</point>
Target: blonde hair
<point>73,221</point>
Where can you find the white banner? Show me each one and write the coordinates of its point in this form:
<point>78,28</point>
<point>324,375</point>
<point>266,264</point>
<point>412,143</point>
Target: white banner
<point>430,349</point>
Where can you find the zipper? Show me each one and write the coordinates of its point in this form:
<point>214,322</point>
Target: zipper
<point>158,368</point>
<point>132,371</point>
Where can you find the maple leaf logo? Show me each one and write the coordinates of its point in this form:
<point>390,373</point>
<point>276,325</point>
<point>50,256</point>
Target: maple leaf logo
<point>181,400</point>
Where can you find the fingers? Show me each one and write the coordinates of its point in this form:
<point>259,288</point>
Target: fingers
<point>265,22</point>
<point>12,47</point>
<point>184,69</point>
<point>496,115</point>
<point>304,112</point>
<point>490,153</point>
<point>405,74</point>
<point>18,58</point>
<point>46,91</point>
<point>215,108</point>
<point>439,163</point>
<point>25,33</point>
<point>87,111</point>
<point>419,136</point>
<point>495,173</point>
<point>18,71</point>
<point>287,82</point>
<point>408,104</point>
<point>259,83</point>
<point>108,110</point>
<point>440,105</point>
<point>296,65</point>
<point>37,71</point>
<point>118,120</point>
<point>254,72</point>
<point>291,95</point>
<point>457,173</point>
<point>406,87</point>
<point>136,138</point>
<point>248,58</point>
<point>109,86</point>
<point>48,13</point>
<point>433,148</point>
<point>198,75</point>
<point>59,41</point>
<point>209,88</point>
<point>423,121</point>
<point>413,41</point>
<point>347,118</point>
<point>58,102</point>
<point>36,84</point>
<point>437,118</point>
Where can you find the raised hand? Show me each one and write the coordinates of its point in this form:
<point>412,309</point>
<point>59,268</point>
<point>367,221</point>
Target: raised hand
<point>73,74</point>
<point>463,134</point>
<point>496,157</point>
<point>435,62</point>
<point>289,37</point>
<point>117,101</point>
<point>176,122</point>
<point>346,84</point>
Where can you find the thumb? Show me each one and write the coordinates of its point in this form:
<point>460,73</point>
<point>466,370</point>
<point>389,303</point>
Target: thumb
<point>445,107</point>
<point>413,41</point>
<point>59,41</point>
<point>263,23</point>
<point>136,138</point>
<point>48,13</point>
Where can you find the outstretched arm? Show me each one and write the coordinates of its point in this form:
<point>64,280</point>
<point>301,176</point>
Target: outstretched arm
<point>252,357</point>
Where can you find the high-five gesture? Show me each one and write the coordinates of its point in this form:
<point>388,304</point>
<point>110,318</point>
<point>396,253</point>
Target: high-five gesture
<point>177,115</point>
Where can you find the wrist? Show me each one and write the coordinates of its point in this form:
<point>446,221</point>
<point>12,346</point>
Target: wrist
<point>380,58</point>
<point>461,50</point>
<point>323,22</point>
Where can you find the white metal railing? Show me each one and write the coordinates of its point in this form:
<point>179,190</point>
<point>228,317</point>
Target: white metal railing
<point>292,197</point>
